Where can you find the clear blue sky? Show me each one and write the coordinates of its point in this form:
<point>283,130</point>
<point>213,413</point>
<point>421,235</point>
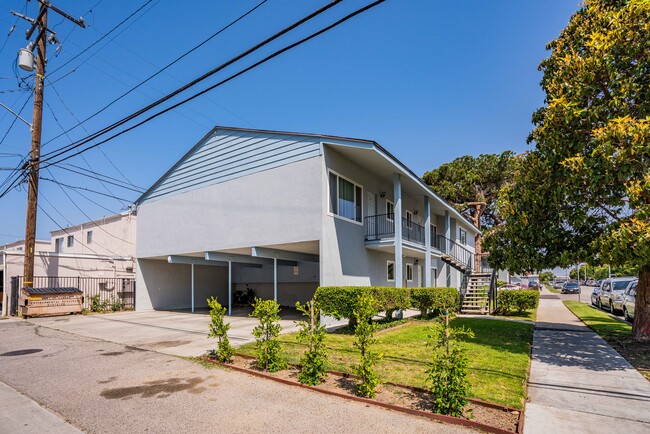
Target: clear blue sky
<point>430,80</point>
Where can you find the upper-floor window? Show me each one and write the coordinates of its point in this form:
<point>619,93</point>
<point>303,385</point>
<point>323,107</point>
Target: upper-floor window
<point>390,210</point>
<point>89,237</point>
<point>345,198</point>
<point>462,235</point>
<point>70,241</point>
<point>58,245</point>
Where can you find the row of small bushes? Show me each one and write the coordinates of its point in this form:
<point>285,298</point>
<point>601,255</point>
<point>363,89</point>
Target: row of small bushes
<point>517,300</point>
<point>341,301</point>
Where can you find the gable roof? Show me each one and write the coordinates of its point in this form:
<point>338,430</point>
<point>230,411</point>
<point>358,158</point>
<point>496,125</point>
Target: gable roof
<point>317,137</point>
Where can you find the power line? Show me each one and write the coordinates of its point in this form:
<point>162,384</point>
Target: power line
<point>121,199</point>
<point>96,176</point>
<point>69,234</point>
<point>87,216</point>
<point>56,119</point>
<point>173,62</point>
<point>266,59</point>
<point>105,35</point>
<point>57,152</point>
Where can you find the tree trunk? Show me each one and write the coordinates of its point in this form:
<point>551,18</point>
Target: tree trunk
<point>641,325</point>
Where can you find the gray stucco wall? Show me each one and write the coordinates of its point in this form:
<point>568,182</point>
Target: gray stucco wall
<point>345,260</point>
<point>168,286</point>
<point>276,206</point>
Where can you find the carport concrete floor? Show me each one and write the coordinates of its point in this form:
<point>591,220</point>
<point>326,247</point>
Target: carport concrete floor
<point>578,383</point>
<point>178,333</point>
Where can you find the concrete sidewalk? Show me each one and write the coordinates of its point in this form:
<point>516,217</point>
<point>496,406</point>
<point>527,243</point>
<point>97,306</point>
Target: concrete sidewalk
<point>19,414</point>
<point>578,383</point>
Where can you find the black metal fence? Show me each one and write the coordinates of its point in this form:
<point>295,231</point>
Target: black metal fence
<point>109,293</point>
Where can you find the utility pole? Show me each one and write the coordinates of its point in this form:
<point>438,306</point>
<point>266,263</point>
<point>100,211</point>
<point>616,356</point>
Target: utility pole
<point>40,45</point>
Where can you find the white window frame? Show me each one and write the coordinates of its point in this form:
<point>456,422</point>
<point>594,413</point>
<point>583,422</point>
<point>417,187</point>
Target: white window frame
<point>389,262</point>
<point>392,205</point>
<point>409,267</point>
<point>329,198</point>
<point>89,237</point>
<point>69,242</point>
<point>58,245</point>
<point>462,232</point>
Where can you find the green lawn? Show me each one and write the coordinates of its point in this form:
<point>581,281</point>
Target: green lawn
<point>527,315</point>
<point>616,333</point>
<point>550,288</point>
<point>499,356</point>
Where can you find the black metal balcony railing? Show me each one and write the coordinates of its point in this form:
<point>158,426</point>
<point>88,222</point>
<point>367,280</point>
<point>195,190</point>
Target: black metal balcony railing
<point>382,226</point>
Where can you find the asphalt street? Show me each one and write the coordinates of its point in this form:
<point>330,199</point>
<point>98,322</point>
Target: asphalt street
<point>104,387</point>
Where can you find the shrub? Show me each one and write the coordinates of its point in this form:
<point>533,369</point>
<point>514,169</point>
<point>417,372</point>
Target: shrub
<point>447,371</point>
<point>364,332</point>
<point>313,363</point>
<point>267,345</point>
<point>97,305</point>
<point>434,299</point>
<point>517,300</point>
<point>219,330</point>
<point>340,301</point>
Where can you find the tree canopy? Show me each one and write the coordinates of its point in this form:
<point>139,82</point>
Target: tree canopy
<point>583,193</point>
<point>471,179</point>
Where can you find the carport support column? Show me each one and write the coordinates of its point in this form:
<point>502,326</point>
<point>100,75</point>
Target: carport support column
<point>397,195</point>
<point>229,288</point>
<point>275,279</point>
<point>427,242</point>
<point>192,265</point>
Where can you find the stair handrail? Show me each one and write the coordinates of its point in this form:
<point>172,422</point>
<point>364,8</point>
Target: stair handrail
<point>456,251</point>
<point>492,292</point>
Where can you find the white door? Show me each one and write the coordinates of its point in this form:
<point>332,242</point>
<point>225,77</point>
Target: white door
<point>371,212</point>
<point>420,276</point>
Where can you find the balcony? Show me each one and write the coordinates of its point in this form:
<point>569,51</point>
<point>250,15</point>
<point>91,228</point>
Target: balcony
<point>382,228</point>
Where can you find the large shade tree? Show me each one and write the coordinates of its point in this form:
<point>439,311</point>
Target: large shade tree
<point>472,185</point>
<point>583,193</point>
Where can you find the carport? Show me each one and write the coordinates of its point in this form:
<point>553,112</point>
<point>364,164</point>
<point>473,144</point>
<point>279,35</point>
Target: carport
<point>282,275</point>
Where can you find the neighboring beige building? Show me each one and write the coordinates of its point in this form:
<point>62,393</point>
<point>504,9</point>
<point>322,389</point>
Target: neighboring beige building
<point>101,248</point>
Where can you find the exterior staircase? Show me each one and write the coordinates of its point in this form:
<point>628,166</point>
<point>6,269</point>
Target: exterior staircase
<point>476,297</point>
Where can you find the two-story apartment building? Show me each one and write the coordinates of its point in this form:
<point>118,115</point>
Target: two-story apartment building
<point>283,213</point>
<point>100,248</point>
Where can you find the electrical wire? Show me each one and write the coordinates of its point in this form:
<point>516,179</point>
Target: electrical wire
<point>220,83</point>
<point>117,26</point>
<point>173,62</point>
<point>121,199</point>
<point>57,152</point>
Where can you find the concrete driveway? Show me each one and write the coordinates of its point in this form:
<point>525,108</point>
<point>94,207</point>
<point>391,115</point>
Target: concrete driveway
<point>178,333</point>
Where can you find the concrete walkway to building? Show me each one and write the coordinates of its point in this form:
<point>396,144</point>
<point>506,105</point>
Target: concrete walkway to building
<point>19,414</point>
<point>578,383</point>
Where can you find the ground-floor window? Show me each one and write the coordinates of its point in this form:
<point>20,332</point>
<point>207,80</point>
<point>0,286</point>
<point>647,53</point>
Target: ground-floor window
<point>390,271</point>
<point>409,272</point>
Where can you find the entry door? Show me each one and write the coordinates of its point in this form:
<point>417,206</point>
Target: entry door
<point>420,276</point>
<point>371,211</point>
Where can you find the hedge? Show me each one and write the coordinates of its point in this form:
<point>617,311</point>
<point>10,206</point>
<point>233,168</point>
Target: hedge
<point>434,299</point>
<point>517,300</point>
<point>340,301</point>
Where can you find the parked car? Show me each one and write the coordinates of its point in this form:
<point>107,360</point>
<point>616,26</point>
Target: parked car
<point>628,301</point>
<point>571,288</point>
<point>595,295</point>
<point>611,293</point>
<point>534,284</point>
<point>558,284</point>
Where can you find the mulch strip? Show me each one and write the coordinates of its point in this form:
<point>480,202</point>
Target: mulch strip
<point>485,416</point>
